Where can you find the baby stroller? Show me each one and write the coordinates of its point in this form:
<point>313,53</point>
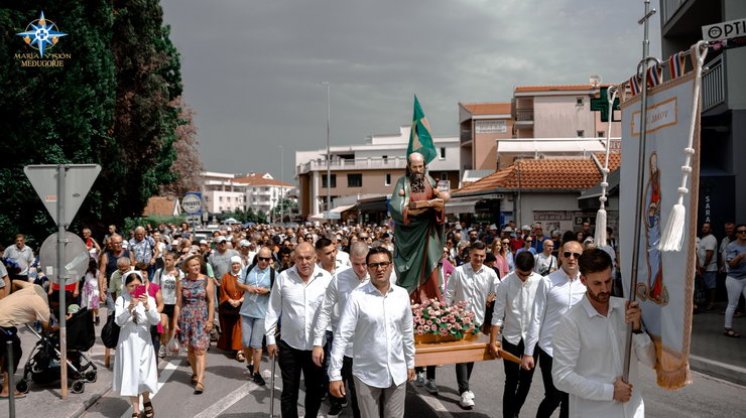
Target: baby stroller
<point>43,365</point>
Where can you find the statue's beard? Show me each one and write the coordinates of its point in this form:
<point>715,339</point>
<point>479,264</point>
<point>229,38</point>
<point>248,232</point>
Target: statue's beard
<point>417,182</point>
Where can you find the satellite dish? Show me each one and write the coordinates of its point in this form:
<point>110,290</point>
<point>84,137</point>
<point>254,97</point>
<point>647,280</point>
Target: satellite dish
<point>75,258</point>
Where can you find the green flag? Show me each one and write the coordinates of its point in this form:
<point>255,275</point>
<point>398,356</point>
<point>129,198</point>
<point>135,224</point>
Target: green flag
<point>419,137</point>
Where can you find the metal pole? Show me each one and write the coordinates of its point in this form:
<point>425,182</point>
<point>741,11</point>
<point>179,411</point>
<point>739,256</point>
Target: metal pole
<point>282,189</point>
<point>640,177</point>
<point>61,170</point>
<point>328,152</point>
<point>11,381</point>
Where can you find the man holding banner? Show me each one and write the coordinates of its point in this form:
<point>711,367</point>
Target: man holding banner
<point>589,347</point>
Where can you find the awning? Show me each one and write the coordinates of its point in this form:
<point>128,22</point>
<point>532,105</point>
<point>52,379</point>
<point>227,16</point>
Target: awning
<point>344,208</point>
<point>455,206</point>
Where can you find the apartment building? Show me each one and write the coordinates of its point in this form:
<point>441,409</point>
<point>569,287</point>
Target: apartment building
<point>723,123</point>
<point>480,125</point>
<point>368,169</point>
<point>263,192</point>
<point>226,192</point>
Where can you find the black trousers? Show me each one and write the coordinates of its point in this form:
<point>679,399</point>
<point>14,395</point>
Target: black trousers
<point>292,363</point>
<point>463,374</point>
<point>430,371</point>
<point>517,381</point>
<point>552,396</point>
<point>347,377</point>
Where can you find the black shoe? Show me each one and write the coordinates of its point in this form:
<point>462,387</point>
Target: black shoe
<point>343,402</point>
<point>324,396</point>
<point>258,379</point>
<point>334,410</point>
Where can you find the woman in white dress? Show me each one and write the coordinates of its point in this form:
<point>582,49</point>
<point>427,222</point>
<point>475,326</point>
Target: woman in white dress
<point>135,367</point>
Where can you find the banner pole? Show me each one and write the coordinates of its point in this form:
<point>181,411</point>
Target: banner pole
<point>641,67</point>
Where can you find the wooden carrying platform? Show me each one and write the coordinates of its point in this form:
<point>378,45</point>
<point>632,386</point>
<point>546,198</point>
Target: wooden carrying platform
<point>463,351</point>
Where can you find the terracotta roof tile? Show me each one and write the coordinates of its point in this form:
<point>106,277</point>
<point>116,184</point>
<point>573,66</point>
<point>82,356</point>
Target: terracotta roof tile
<point>159,206</point>
<point>565,87</point>
<point>545,174</point>
<point>255,179</point>
<point>487,108</point>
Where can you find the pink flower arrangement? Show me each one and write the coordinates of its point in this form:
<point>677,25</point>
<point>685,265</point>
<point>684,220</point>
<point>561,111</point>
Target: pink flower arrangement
<point>434,317</point>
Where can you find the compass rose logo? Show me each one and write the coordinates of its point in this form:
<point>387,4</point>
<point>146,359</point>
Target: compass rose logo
<point>41,34</point>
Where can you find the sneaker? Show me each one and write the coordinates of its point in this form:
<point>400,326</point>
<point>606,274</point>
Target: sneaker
<point>335,410</point>
<point>431,387</point>
<point>162,351</point>
<point>344,402</point>
<point>466,401</point>
<point>258,379</point>
<point>470,394</point>
<point>420,379</point>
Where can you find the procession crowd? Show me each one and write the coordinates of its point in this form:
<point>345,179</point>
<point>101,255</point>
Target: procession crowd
<point>322,301</point>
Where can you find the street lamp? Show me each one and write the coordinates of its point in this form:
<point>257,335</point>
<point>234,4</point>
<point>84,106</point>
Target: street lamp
<point>282,188</point>
<point>328,155</point>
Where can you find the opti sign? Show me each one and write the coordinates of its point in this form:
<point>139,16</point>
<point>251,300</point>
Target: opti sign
<point>724,30</point>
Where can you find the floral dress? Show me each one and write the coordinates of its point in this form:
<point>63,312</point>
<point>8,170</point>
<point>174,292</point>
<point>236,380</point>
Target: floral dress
<point>193,317</point>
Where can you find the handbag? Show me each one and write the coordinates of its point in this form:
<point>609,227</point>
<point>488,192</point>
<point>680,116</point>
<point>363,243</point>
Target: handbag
<point>110,332</point>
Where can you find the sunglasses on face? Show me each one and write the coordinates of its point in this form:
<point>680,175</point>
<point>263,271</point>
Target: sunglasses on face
<point>569,254</point>
<point>264,258</point>
<point>741,231</point>
<point>383,264</point>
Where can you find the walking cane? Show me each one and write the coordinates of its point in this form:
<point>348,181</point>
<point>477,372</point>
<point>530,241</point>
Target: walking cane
<point>272,388</point>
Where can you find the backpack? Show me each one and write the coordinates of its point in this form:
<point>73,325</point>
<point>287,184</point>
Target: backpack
<point>271,274</point>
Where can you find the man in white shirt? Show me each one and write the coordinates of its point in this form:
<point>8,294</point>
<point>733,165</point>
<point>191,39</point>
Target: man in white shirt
<point>708,262</point>
<point>22,255</point>
<point>342,284</point>
<point>296,296</point>
<point>555,295</point>
<point>589,347</point>
<point>545,262</point>
<point>326,253</point>
<point>472,282</point>
<point>377,320</point>
<point>513,305</point>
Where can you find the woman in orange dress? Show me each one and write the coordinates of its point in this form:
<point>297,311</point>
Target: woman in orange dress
<point>231,298</point>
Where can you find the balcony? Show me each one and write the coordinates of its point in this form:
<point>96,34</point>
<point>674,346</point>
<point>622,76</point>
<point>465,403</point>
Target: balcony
<point>713,84</point>
<point>377,163</point>
<point>524,116</point>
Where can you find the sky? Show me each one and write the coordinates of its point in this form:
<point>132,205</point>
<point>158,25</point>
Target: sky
<point>253,69</point>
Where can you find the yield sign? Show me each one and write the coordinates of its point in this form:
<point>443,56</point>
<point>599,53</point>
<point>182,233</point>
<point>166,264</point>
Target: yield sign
<point>78,179</point>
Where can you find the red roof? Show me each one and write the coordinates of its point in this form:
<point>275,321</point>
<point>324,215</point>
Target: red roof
<point>565,87</point>
<point>545,174</point>
<point>487,108</point>
<point>160,206</point>
<point>257,179</point>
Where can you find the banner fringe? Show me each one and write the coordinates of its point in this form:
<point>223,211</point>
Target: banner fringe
<point>673,379</point>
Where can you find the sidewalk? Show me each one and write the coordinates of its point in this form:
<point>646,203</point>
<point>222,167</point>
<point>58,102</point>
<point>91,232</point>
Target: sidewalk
<point>715,354</point>
<point>47,401</point>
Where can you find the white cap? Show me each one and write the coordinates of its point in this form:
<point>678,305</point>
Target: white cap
<point>236,259</point>
<point>203,242</point>
<point>220,239</point>
<point>244,243</point>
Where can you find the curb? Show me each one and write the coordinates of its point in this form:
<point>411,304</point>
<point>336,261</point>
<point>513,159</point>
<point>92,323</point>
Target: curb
<point>728,372</point>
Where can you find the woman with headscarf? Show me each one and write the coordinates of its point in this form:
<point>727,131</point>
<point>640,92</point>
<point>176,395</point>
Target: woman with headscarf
<point>135,366</point>
<point>230,299</point>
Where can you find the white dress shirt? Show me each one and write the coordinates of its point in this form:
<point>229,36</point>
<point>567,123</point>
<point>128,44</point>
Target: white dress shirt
<point>513,306</point>
<point>298,303</point>
<point>589,356</point>
<point>342,284</point>
<point>471,286</point>
<point>380,329</point>
<point>556,294</point>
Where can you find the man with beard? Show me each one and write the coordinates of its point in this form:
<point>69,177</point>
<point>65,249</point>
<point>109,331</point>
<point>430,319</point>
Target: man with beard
<point>589,345</point>
<point>418,209</point>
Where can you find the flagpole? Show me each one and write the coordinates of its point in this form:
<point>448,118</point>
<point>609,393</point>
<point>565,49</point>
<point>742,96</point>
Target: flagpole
<point>641,67</point>
<point>328,156</point>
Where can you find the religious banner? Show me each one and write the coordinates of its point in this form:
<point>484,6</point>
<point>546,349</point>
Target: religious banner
<point>665,280</point>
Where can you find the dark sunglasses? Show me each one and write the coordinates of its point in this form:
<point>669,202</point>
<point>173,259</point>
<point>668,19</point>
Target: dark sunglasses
<point>383,264</point>
<point>741,231</point>
<point>567,254</point>
<point>264,258</point>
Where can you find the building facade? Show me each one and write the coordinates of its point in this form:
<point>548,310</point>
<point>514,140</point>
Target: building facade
<point>723,123</point>
<point>368,169</point>
<point>480,125</point>
<point>226,192</point>
<point>264,193</point>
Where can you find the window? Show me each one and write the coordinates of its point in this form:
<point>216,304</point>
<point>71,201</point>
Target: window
<point>355,180</point>
<point>385,159</point>
<point>601,134</point>
<point>444,176</point>
<point>220,199</point>
<point>579,101</point>
<point>442,153</point>
<point>387,179</point>
<point>333,181</point>
<point>581,134</point>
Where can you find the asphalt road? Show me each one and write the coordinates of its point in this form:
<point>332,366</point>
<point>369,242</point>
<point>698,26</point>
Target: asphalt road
<point>229,393</point>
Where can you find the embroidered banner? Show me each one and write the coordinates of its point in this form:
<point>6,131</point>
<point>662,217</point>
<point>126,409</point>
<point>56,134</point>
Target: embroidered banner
<point>665,280</point>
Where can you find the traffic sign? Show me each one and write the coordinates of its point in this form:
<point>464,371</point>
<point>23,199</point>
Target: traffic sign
<point>194,219</point>
<point>78,181</point>
<point>75,257</point>
<point>724,30</point>
<point>191,203</point>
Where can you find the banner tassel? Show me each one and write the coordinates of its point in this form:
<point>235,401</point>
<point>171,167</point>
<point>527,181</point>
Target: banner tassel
<point>673,234</point>
<point>600,236</point>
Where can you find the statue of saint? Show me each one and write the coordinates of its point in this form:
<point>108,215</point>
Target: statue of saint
<point>418,210</point>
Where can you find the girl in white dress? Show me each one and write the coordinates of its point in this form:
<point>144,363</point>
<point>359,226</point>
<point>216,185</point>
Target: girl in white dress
<point>135,367</point>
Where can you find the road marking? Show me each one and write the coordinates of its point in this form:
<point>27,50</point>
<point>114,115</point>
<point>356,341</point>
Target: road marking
<point>165,375</point>
<point>433,402</point>
<point>227,401</point>
<point>719,364</point>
